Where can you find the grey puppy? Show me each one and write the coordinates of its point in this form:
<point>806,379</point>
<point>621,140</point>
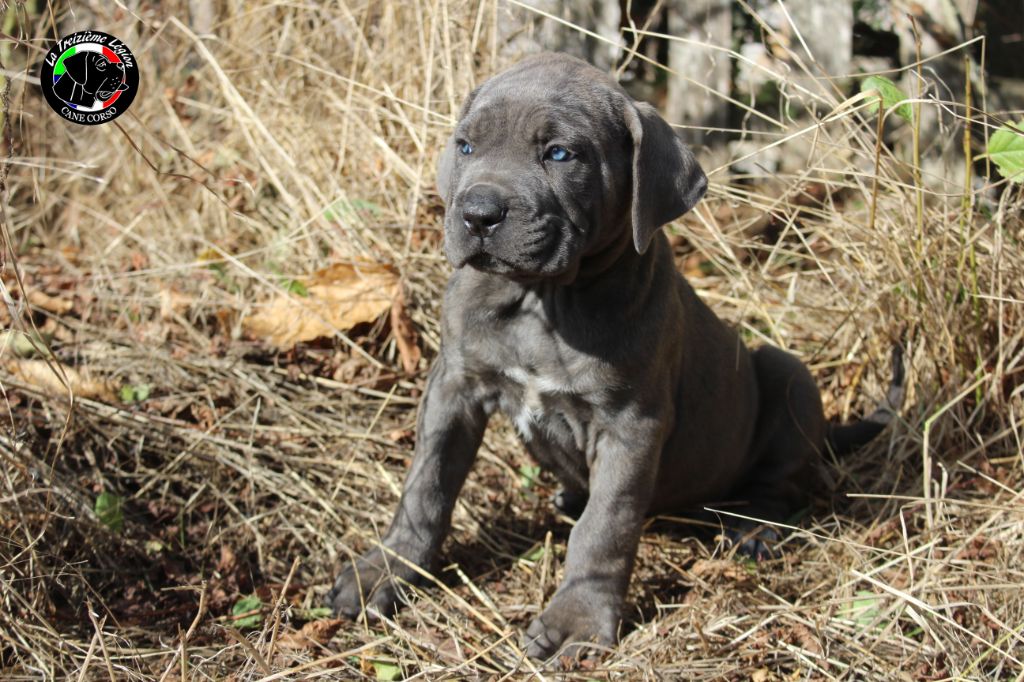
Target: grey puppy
<point>566,313</point>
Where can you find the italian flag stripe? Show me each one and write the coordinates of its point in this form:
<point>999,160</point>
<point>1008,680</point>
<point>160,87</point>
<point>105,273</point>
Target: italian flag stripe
<point>58,70</point>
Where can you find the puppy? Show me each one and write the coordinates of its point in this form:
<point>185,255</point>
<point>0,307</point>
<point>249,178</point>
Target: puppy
<point>566,313</point>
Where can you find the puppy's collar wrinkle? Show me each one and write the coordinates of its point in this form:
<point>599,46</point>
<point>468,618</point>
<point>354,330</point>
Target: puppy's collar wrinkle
<point>606,256</point>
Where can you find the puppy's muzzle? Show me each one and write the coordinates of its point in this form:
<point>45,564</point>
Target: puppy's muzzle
<point>484,208</point>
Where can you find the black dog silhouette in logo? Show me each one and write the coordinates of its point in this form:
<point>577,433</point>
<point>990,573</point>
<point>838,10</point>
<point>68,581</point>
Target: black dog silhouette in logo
<point>88,76</point>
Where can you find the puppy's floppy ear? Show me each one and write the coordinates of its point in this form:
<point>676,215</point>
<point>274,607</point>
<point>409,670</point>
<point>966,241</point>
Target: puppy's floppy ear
<point>445,165</point>
<point>446,162</point>
<point>667,181</point>
<point>77,67</point>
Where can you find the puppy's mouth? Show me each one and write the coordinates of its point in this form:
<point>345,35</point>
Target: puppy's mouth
<point>521,252</point>
<point>483,261</point>
<point>491,264</point>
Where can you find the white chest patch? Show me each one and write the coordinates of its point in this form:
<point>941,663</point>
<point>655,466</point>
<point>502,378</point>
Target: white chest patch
<point>534,387</point>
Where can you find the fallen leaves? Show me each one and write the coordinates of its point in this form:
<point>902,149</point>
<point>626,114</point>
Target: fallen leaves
<point>312,634</point>
<point>173,303</point>
<point>721,570</point>
<point>338,298</point>
<point>56,379</point>
<point>21,344</point>
<point>51,304</point>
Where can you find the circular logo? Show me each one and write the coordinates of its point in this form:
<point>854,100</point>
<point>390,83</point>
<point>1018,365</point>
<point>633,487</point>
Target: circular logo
<point>89,77</point>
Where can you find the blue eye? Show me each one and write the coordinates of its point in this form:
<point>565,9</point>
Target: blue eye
<point>464,147</point>
<point>558,153</point>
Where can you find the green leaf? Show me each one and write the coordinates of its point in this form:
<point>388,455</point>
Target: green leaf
<point>889,94</point>
<point>108,508</point>
<point>245,605</point>
<point>23,345</point>
<point>864,609</point>
<point>528,474</point>
<point>294,286</point>
<point>318,613</point>
<point>534,554</point>
<point>387,672</point>
<point>135,393</point>
<point>1006,149</point>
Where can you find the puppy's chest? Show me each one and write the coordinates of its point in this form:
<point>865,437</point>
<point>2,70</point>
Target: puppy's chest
<point>549,410</point>
<point>551,390</point>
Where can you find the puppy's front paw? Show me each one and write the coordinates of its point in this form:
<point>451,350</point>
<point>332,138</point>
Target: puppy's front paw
<point>367,583</point>
<point>570,622</point>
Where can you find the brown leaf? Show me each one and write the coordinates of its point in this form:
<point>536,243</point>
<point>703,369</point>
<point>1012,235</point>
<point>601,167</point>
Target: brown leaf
<point>139,260</point>
<point>721,571</point>
<point>47,378</point>
<point>807,640</point>
<point>400,435</point>
<point>51,304</point>
<point>339,297</point>
<point>313,633</point>
<point>405,335</point>
<point>173,302</point>
<point>228,561</point>
<point>692,266</point>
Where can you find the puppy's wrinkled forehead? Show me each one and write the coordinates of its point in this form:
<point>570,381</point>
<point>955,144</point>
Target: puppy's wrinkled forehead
<point>542,99</point>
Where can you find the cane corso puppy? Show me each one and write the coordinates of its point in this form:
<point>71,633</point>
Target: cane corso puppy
<point>89,76</point>
<point>566,313</point>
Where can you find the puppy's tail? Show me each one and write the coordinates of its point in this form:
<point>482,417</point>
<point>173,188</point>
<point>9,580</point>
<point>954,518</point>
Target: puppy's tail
<point>845,438</point>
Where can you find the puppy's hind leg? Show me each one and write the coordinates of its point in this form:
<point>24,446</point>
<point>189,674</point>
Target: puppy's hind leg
<point>789,437</point>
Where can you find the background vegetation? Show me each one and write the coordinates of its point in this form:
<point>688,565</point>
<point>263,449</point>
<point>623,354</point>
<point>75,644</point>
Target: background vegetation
<point>219,311</point>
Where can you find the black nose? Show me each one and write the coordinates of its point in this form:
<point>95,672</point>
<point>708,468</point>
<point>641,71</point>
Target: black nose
<point>483,209</point>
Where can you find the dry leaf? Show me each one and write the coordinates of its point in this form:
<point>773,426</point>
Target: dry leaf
<point>43,376</point>
<point>715,570</point>
<point>228,561</point>
<point>405,335</point>
<point>339,298</point>
<point>173,302</point>
<point>312,633</point>
<point>51,304</point>
<point>400,435</point>
<point>807,641</point>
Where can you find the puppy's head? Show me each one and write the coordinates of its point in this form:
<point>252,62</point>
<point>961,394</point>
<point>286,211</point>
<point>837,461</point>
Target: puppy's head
<point>97,75</point>
<point>550,161</point>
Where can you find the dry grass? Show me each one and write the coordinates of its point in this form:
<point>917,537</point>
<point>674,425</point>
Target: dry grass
<point>297,135</point>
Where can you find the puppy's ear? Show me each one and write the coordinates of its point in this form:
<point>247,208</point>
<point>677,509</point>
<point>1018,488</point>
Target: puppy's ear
<point>667,181</point>
<point>445,165</point>
<point>446,162</point>
<point>77,67</point>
